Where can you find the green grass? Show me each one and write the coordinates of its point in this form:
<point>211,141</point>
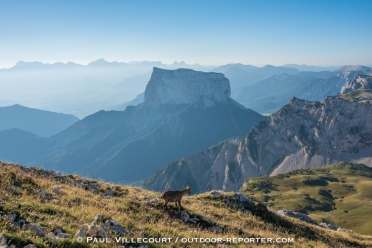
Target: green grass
<point>340,194</point>
<point>355,95</point>
<point>143,219</point>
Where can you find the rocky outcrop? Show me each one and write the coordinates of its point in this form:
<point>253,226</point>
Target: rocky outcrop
<point>185,86</point>
<point>297,215</point>
<point>306,134</point>
<point>206,170</point>
<point>301,135</point>
<point>359,82</point>
<point>347,73</point>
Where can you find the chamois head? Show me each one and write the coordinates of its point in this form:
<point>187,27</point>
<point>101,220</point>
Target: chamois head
<point>187,189</point>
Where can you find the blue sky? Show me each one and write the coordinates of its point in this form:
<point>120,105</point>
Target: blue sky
<point>205,32</point>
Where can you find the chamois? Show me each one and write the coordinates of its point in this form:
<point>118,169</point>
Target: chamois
<point>175,196</point>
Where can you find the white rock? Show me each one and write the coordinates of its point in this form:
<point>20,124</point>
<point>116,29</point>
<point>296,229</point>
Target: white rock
<point>3,242</point>
<point>80,233</point>
<point>107,223</point>
<point>92,229</point>
<point>213,192</point>
<point>98,217</point>
<point>102,232</point>
<point>327,225</point>
<point>359,82</point>
<point>57,189</point>
<point>185,216</point>
<point>242,198</point>
<point>41,193</point>
<point>63,235</point>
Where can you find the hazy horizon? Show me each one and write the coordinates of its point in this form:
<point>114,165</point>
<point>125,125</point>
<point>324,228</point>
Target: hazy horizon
<point>321,33</point>
<point>174,62</point>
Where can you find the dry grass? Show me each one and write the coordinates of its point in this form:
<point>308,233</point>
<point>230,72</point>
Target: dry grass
<point>78,205</point>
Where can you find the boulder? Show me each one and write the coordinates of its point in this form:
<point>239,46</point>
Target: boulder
<point>115,227</point>
<point>185,216</point>
<point>41,194</point>
<point>102,232</point>
<point>98,217</point>
<point>92,229</point>
<point>297,215</point>
<point>213,192</point>
<point>30,246</point>
<point>37,230</point>
<point>3,242</point>
<point>10,218</point>
<point>239,196</point>
<point>57,189</point>
<point>327,225</point>
<point>80,233</point>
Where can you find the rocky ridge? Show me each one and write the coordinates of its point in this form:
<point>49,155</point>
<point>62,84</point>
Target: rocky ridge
<point>359,82</point>
<point>301,135</point>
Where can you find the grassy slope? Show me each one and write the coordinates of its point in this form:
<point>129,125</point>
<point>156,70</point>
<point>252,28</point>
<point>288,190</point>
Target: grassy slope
<point>137,215</point>
<point>355,95</point>
<point>340,194</point>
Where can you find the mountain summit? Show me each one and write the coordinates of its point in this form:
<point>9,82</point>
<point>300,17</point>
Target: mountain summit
<point>185,86</point>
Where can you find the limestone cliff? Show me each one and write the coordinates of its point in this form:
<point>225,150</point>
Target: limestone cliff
<point>185,86</point>
<point>359,82</point>
<point>301,135</point>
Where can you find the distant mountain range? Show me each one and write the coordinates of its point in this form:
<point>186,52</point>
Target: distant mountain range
<point>82,90</point>
<point>245,75</point>
<point>313,68</point>
<point>40,122</point>
<point>183,112</point>
<point>269,95</point>
<point>77,89</point>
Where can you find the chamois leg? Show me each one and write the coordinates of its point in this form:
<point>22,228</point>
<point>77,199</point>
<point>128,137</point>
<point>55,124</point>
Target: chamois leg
<point>165,204</point>
<point>179,203</point>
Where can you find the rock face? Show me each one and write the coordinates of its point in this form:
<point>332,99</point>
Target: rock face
<point>206,170</point>
<point>184,112</point>
<point>300,135</point>
<point>359,82</point>
<point>348,72</point>
<point>185,86</point>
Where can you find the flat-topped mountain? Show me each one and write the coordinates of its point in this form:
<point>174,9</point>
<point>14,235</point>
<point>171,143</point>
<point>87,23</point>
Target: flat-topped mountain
<point>185,86</point>
<point>184,112</point>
